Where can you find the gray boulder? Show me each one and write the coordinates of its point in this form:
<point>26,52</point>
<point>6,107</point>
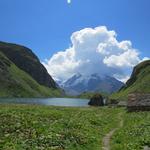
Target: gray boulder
<point>96,100</point>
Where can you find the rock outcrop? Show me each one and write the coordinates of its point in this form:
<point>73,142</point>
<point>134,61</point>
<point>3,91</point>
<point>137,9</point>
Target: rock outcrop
<point>138,102</point>
<point>96,100</point>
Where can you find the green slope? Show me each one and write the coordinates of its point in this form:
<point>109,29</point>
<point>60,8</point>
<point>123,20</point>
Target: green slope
<point>139,82</point>
<point>14,82</point>
<point>88,95</point>
<point>27,61</point>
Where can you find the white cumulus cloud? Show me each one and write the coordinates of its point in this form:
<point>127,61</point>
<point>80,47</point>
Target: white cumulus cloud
<point>68,1</point>
<point>94,50</point>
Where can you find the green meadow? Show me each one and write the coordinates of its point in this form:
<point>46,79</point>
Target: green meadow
<point>63,128</point>
<point>135,133</point>
<point>54,128</point>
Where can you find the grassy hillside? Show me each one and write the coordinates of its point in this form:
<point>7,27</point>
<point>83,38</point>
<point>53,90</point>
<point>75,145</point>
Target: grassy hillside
<point>14,82</point>
<point>138,82</point>
<point>27,61</point>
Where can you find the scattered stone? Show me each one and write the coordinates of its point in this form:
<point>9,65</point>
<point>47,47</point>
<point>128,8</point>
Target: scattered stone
<point>122,104</point>
<point>146,148</point>
<point>113,101</point>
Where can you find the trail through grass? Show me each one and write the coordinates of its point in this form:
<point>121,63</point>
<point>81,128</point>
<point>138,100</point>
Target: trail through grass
<point>108,136</point>
<point>24,127</point>
<point>135,134</point>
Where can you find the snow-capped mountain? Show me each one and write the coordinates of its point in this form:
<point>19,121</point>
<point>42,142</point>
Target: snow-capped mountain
<point>80,83</point>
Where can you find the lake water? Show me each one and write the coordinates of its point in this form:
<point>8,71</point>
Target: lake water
<point>74,102</point>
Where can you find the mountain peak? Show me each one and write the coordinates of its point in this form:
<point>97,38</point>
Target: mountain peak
<point>91,83</point>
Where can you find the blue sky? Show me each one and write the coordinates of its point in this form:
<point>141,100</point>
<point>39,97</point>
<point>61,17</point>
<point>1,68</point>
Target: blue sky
<point>45,26</point>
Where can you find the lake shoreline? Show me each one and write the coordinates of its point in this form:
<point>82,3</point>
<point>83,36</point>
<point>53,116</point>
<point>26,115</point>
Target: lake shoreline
<point>70,102</point>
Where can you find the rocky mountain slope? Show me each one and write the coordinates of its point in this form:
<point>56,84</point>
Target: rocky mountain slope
<point>139,81</point>
<point>22,74</point>
<point>78,84</point>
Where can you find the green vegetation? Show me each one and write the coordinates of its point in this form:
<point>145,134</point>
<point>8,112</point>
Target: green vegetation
<point>14,82</point>
<point>27,61</point>
<point>61,128</point>
<point>88,95</point>
<point>138,83</point>
<point>57,128</point>
<point>54,128</point>
<point>135,133</point>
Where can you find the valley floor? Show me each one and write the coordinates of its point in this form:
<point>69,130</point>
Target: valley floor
<point>58,128</point>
